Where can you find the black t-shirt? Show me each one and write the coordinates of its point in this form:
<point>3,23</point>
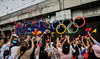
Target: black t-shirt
<point>33,53</point>
<point>92,56</point>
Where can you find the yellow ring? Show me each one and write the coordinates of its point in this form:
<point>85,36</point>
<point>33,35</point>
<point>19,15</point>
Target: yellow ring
<point>61,32</point>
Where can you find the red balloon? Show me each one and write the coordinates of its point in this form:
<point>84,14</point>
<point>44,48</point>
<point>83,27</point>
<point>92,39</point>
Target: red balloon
<point>16,25</point>
<point>14,22</point>
<point>87,29</point>
<point>9,21</point>
<point>73,39</point>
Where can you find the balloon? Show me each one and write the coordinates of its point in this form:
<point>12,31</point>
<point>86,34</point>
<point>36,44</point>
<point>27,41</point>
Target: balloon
<point>52,33</point>
<point>48,16</point>
<point>73,39</point>
<point>39,32</point>
<point>66,36</point>
<point>9,21</point>
<point>87,29</point>
<point>14,22</point>
<point>95,30</point>
<point>61,36</point>
<point>33,33</point>
<point>48,37</point>
<point>79,35</point>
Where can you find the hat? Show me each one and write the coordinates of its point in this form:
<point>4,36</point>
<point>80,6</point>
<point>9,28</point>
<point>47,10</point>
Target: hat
<point>96,50</point>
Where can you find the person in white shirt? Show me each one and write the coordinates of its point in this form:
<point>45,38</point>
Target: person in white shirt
<point>5,46</point>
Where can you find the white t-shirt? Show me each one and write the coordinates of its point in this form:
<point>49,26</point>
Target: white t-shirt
<point>3,48</point>
<point>37,57</point>
<point>80,50</point>
<point>14,51</point>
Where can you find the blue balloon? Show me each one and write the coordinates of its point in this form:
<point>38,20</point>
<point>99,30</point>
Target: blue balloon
<point>48,16</point>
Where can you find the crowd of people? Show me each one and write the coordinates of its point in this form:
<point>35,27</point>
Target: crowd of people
<point>29,25</point>
<point>32,47</point>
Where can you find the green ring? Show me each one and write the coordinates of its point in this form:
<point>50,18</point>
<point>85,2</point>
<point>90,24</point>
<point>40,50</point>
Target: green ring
<point>69,27</point>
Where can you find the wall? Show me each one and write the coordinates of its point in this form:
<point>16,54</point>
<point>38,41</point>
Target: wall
<point>50,7</point>
<point>87,12</point>
<point>9,6</point>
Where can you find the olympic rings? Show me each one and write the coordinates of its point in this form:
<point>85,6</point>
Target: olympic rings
<point>64,21</point>
<point>59,26</point>
<point>53,23</point>
<point>67,20</point>
<point>80,25</point>
<point>69,27</point>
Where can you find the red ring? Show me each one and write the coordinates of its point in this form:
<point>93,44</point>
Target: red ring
<point>80,25</point>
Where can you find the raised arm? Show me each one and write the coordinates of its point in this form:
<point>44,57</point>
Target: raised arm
<point>95,42</point>
<point>83,43</point>
<point>91,42</point>
<point>87,41</point>
<point>91,37</point>
<point>68,38</point>
<point>32,43</point>
<point>36,53</point>
<point>57,44</point>
<point>1,43</point>
<point>64,41</point>
<point>18,39</point>
<point>11,37</point>
<point>41,36</point>
<point>50,40</point>
<point>32,47</point>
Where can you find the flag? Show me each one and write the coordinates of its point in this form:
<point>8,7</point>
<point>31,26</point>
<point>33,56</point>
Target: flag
<point>87,29</point>
<point>95,30</point>
<point>90,29</point>
<point>84,54</point>
<point>73,39</point>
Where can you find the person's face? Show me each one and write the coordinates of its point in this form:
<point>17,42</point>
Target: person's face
<point>41,17</point>
<point>2,33</point>
<point>8,37</point>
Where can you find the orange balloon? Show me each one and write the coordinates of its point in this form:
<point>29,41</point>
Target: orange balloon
<point>33,33</point>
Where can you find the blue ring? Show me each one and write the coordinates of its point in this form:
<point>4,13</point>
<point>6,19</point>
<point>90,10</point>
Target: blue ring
<point>53,23</point>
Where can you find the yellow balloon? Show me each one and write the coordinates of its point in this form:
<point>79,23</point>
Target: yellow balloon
<point>48,37</point>
<point>79,35</point>
<point>52,33</point>
<point>33,33</point>
<point>39,32</point>
<point>66,36</point>
<point>61,36</point>
<point>95,30</point>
